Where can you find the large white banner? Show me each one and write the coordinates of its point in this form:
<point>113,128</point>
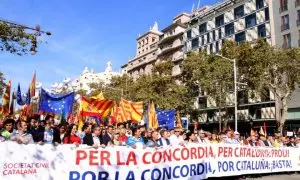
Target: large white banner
<point>35,162</point>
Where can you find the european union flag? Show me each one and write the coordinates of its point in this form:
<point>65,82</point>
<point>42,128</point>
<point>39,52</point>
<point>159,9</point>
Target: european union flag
<point>57,104</point>
<point>166,118</point>
<point>20,100</point>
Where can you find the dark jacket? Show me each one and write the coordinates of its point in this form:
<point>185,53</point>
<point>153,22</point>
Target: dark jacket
<point>106,139</point>
<point>37,133</point>
<point>291,144</point>
<point>88,140</point>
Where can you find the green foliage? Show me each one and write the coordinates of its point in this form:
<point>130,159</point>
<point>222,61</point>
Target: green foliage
<point>16,40</point>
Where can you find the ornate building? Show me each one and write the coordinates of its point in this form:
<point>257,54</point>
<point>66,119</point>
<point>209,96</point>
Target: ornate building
<point>87,77</point>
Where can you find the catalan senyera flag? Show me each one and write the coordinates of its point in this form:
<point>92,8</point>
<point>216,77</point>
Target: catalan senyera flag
<point>95,107</point>
<point>100,96</point>
<point>178,119</point>
<point>152,117</point>
<point>6,99</point>
<point>32,85</point>
<point>132,110</point>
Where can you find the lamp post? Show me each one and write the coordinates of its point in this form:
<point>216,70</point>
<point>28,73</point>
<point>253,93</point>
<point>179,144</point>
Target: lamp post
<point>235,89</point>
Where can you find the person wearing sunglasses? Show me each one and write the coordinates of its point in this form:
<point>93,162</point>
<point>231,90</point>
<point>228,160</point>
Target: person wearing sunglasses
<point>175,138</point>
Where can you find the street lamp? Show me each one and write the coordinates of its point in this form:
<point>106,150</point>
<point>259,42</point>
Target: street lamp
<point>235,89</point>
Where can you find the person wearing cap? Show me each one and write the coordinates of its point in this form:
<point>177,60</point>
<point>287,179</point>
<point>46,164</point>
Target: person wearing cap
<point>236,139</point>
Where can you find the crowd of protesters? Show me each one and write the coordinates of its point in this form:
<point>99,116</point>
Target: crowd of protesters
<point>135,136</point>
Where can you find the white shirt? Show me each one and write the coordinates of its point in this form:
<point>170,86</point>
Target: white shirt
<point>174,140</point>
<point>96,140</point>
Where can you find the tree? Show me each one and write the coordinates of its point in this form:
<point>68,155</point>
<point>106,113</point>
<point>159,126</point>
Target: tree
<point>161,88</point>
<point>264,67</point>
<point>16,40</point>
<point>209,75</point>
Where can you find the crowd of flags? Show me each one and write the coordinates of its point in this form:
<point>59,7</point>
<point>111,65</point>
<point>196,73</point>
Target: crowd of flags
<point>97,107</point>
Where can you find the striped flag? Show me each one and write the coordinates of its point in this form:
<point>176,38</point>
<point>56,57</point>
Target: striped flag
<point>132,110</point>
<point>100,96</point>
<point>179,124</point>
<point>6,99</point>
<point>94,107</point>
<point>32,85</point>
<point>152,117</point>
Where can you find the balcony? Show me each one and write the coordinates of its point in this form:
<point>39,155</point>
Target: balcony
<point>285,27</point>
<point>169,48</point>
<point>283,8</point>
<point>177,58</point>
<point>297,3</point>
<point>171,37</point>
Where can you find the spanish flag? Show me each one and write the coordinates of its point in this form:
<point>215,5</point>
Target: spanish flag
<point>95,107</point>
<point>6,100</point>
<point>152,117</point>
<point>132,110</point>
<point>32,85</point>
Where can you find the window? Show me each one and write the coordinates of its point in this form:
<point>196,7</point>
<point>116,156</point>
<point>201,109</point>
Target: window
<point>189,34</point>
<point>283,5</point>
<point>208,38</point>
<point>259,4</point>
<point>286,41</point>
<point>217,47</point>
<point>285,24</point>
<point>240,37</point>
<point>239,12</point>
<point>202,40</point>
<point>220,33</point>
<point>195,43</point>
<point>153,39</point>
<point>202,28</point>
<point>250,20</point>
<point>261,29</point>
<point>267,15</point>
<point>220,20</point>
<point>229,29</point>
<point>211,48</point>
<point>214,35</point>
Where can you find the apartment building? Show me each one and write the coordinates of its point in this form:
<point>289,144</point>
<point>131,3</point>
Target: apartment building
<point>154,46</point>
<point>276,21</point>
<point>170,45</point>
<point>240,20</point>
<point>285,16</point>
<point>146,53</point>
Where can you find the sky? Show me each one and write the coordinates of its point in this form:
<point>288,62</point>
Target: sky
<point>85,33</point>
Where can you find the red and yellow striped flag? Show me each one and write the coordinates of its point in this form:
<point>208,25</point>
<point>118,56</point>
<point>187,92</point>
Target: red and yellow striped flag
<point>152,117</point>
<point>32,85</point>
<point>6,100</point>
<point>132,110</point>
<point>95,107</point>
<point>100,96</point>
